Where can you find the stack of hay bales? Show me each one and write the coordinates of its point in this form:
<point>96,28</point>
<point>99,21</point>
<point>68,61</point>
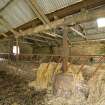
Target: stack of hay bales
<point>81,91</point>
<point>48,71</point>
<point>45,74</point>
<point>69,87</point>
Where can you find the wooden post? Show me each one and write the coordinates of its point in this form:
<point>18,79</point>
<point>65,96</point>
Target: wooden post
<point>17,49</point>
<point>65,49</point>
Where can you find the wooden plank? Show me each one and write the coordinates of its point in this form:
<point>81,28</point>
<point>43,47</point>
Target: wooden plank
<point>92,15</point>
<point>79,33</point>
<point>4,35</point>
<point>70,10</point>
<point>38,11</point>
<point>65,49</point>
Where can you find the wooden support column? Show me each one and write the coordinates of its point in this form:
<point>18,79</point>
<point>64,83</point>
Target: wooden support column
<point>17,49</point>
<point>65,49</point>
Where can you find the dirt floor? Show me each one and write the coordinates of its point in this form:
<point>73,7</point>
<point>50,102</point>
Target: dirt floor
<point>14,90</point>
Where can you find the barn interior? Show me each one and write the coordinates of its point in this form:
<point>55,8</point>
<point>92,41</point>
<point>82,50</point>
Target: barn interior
<point>52,52</point>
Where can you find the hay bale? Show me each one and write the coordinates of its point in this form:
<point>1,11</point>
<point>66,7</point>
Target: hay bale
<point>44,76</point>
<point>64,84</point>
<point>97,87</point>
<point>70,83</point>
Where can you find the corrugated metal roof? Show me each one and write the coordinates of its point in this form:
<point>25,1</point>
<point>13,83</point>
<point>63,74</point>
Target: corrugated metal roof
<point>52,5</point>
<point>18,12</point>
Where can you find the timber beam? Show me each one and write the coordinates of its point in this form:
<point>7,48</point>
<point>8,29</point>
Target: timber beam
<point>70,10</point>
<point>91,15</point>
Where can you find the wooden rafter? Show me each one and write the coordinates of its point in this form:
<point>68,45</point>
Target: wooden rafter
<point>38,40</point>
<point>92,15</point>
<point>38,11</point>
<point>78,32</point>
<point>70,10</point>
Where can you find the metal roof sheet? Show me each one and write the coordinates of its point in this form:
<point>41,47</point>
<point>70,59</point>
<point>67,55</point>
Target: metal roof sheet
<point>18,12</point>
<point>52,5</point>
